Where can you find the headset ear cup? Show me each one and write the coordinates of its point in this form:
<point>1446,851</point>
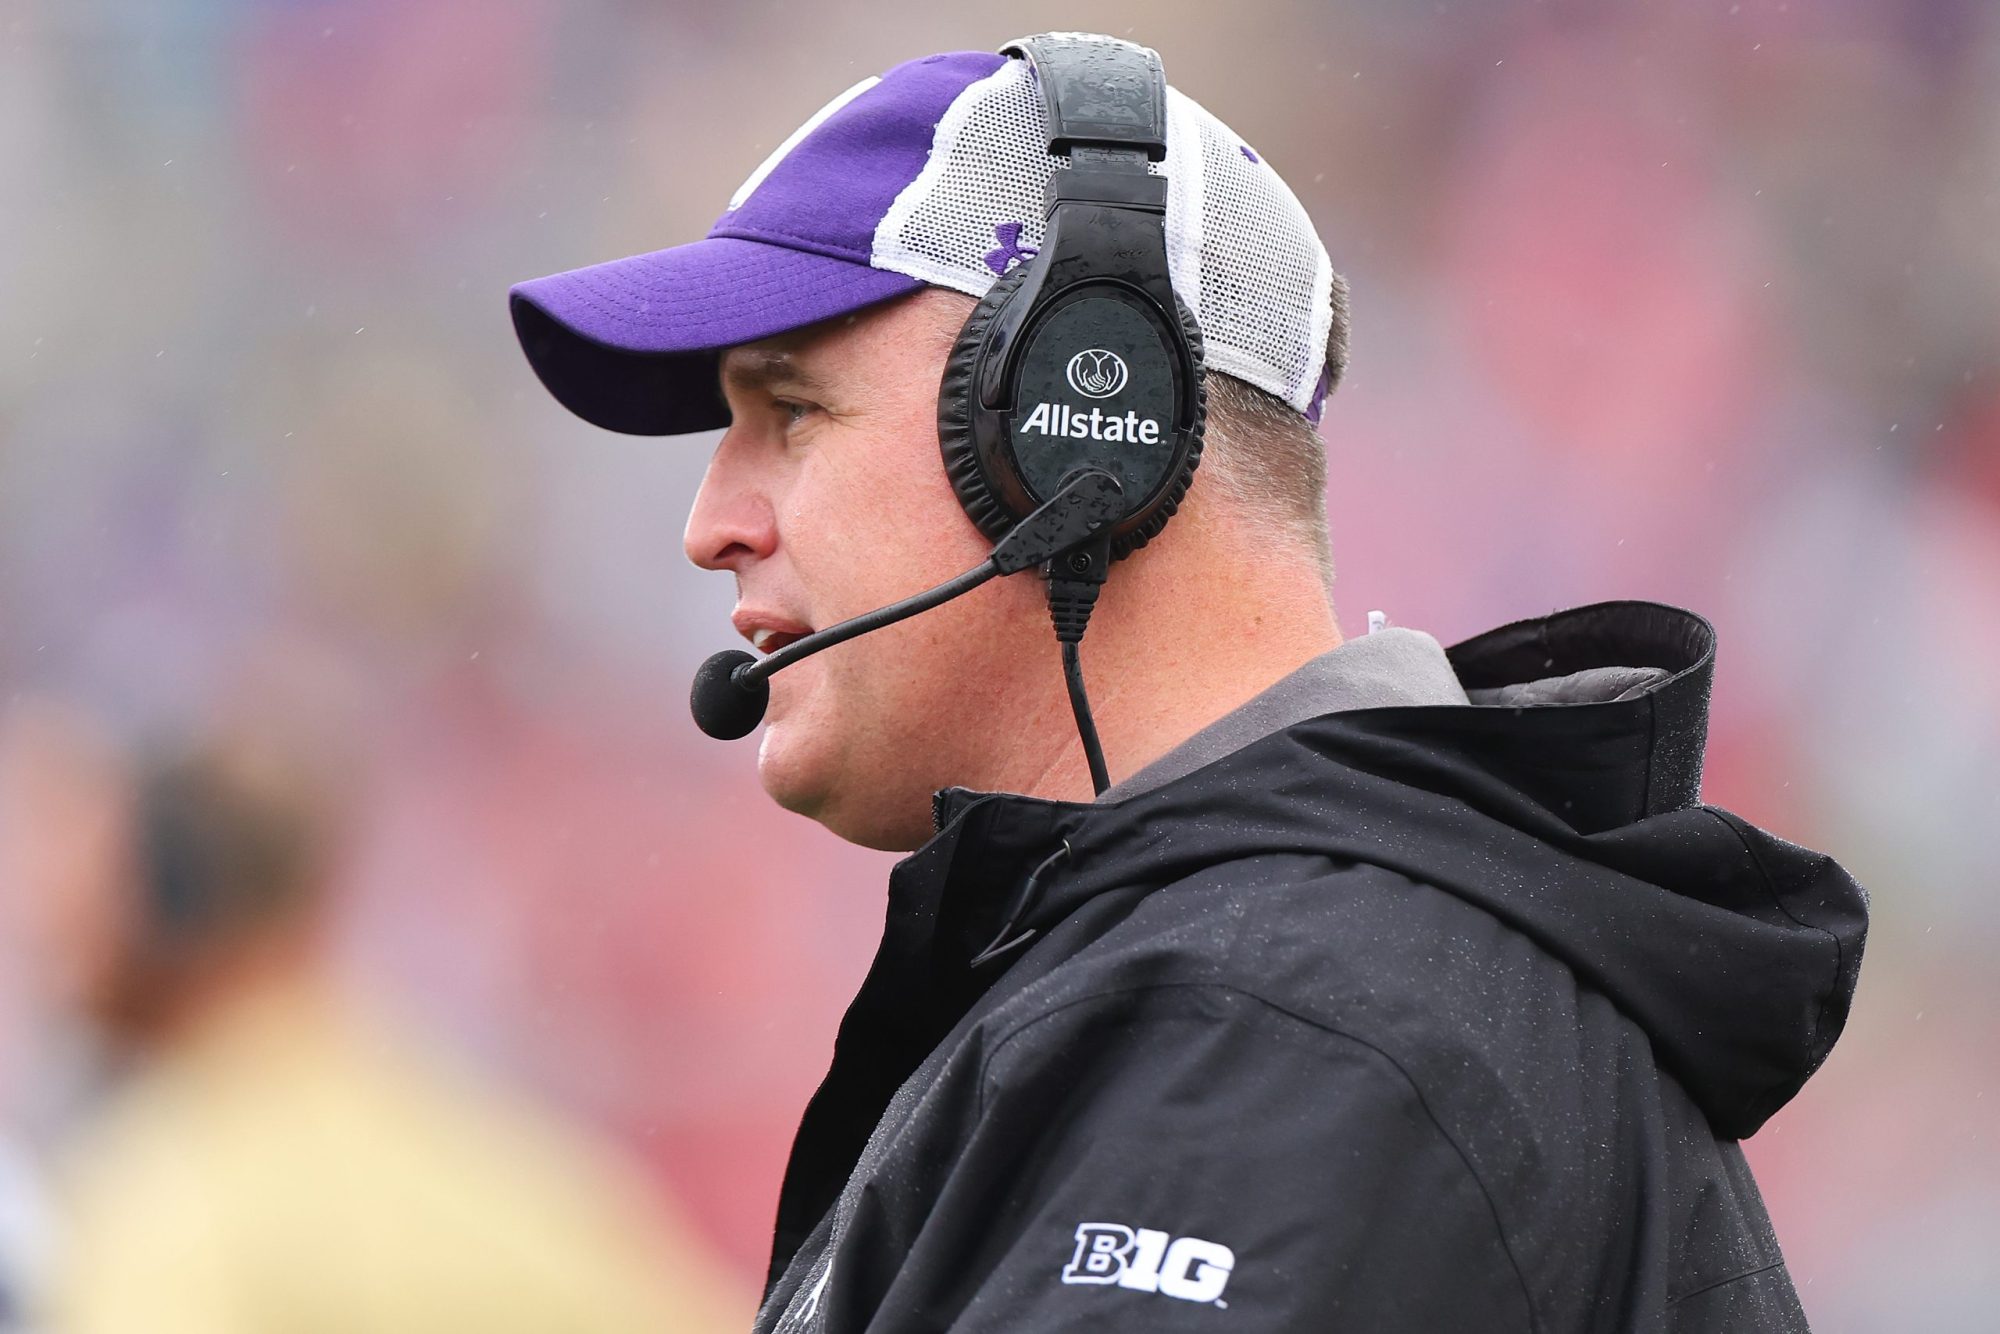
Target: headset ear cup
<point>955,408</point>
<point>1155,518</point>
<point>962,464</point>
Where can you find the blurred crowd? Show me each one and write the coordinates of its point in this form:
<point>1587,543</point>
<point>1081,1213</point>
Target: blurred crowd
<point>1694,302</point>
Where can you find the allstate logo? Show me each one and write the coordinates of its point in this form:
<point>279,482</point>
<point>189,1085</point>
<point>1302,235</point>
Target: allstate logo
<point>1096,373</point>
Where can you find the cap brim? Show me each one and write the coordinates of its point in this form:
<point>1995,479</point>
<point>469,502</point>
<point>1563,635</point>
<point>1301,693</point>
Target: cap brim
<point>633,345</point>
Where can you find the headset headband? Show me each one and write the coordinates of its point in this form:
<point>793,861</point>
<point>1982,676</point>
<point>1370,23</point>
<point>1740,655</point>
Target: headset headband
<point>1098,91</point>
<point>1095,307</point>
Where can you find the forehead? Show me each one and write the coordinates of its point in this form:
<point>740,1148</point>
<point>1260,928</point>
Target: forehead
<point>800,357</point>
<point>762,366</point>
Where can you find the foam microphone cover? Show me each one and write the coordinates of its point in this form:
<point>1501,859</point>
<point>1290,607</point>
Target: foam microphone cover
<point>724,707</point>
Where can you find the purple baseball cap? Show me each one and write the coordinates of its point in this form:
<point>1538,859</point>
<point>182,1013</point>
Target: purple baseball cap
<point>929,175</point>
<point>633,345</point>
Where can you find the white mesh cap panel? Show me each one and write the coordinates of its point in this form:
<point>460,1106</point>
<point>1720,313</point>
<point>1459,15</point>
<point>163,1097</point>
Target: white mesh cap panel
<point>1240,248</point>
<point>1266,282</point>
<point>982,171</point>
<point>988,167</point>
<point>1184,196</point>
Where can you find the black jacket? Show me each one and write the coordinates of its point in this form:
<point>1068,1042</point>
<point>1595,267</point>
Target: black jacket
<point>1401,1019</point>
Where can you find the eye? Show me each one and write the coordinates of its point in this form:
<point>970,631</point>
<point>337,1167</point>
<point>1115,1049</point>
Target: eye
<point>792,410</point>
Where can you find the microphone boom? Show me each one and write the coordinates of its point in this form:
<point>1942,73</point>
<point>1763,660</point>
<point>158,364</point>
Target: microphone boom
<point>732,689</point>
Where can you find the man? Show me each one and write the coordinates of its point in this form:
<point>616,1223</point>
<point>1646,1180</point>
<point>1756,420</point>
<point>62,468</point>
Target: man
<point>1387,988</point>
<point>261,1153</point>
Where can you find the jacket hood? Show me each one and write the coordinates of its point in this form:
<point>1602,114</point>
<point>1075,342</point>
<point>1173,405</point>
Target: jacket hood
<point>1564,801</point>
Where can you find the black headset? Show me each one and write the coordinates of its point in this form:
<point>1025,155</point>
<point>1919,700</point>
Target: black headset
<point>1086,344</point>
<point>1071,408</point>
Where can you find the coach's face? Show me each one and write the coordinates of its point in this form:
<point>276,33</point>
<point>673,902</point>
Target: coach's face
<point>826,499</point>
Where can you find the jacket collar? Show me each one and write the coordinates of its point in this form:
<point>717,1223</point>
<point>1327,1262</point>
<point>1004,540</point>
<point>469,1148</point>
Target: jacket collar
<point>1641,743</point>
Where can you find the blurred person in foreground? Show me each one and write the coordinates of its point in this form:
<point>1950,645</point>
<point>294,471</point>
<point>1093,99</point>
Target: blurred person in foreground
<point>1359,983</point>
<point>261,1154</point>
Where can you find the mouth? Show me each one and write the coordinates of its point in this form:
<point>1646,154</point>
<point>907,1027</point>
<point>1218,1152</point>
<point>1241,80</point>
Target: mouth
<point>767,629</point>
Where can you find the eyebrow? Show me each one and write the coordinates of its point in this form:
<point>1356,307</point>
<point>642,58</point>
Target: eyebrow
<point>751,371</point>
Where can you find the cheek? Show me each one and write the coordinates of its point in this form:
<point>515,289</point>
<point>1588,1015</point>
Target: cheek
<point>876,522</point>
<point>900,711</point>
<point>869,520</point>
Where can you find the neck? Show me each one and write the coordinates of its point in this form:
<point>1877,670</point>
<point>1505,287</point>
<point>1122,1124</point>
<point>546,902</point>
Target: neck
<point>1191,637</point>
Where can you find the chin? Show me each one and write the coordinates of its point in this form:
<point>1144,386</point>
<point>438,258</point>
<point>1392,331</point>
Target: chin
<point>799,770</point>
<point>789,777</point>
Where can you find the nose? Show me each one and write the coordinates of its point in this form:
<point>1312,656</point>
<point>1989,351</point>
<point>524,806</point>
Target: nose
<point>733,522</point>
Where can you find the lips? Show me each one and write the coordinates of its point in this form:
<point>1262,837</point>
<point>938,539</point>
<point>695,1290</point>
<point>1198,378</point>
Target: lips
<point>767,631</point>
<point>770,641</point>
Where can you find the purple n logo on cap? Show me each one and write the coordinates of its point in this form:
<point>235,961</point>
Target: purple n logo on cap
<point>829,193</point>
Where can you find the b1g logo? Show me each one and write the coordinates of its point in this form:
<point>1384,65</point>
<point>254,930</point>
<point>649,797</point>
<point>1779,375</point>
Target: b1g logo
<point>1096,372</point>
<point>1147,1261</point>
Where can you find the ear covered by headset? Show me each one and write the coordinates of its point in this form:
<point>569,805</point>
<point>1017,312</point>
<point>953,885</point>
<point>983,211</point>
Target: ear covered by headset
<point>986,471</point>
<point>1083,357</point>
